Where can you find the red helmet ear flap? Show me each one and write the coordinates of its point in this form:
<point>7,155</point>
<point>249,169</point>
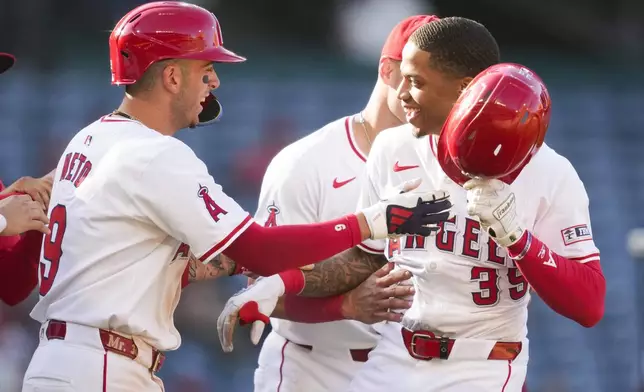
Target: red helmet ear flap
<point>211,110</point>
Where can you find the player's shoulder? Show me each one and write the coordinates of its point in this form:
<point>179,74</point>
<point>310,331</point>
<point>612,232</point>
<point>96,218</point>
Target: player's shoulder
<point>134,144</point>
<point>113,124</point>
<point>395,137</point>
<point>548,163</point>
<point>391,140</point>
<point>552,173</point>
<point>313,149</point>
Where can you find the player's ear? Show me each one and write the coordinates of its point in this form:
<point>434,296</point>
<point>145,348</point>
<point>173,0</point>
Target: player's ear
<point>171,77</point>
<point>389,72</point>
<point>464,83</point>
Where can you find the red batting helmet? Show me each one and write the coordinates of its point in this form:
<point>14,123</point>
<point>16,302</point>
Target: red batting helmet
<point>167,30</point>
<point>498,123</point>
<point>6,61</point>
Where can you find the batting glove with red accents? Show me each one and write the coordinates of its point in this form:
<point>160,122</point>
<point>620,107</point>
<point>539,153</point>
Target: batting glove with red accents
<point>251,305</point>
<point>407,212</point>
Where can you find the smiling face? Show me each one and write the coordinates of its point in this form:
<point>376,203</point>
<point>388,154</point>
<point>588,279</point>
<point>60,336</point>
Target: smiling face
<point>427,95</point>
<point>198,78</point>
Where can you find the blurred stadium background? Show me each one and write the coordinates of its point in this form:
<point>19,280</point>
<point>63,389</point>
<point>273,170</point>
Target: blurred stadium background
<point>311,62</point>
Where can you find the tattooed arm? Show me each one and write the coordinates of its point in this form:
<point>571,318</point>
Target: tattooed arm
<point>366,291</point>
<point>341,273</point>
<point>219,266</point>
<point>337,275</point>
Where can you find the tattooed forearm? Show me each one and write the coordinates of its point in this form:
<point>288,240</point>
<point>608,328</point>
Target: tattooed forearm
<point>341,273</point>
<point>219,266</point>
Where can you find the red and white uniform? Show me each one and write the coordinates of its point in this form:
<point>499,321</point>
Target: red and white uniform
<point>127,208</point>
<point>467,288</point>
<point>315,179</point>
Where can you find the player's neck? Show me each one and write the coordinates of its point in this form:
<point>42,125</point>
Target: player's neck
<point>149,115</point>
<point>377,118</point>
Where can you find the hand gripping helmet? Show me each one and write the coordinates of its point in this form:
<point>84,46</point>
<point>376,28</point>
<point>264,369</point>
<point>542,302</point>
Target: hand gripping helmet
<point>167,30</point>
<point>498,123</point>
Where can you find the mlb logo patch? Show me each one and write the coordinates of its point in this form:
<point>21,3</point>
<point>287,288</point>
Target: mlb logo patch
<point>576,234</point>
<point>393,248</point>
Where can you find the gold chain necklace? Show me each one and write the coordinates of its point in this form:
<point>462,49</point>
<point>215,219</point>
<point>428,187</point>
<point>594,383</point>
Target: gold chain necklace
<point>123,114</point>
<point>364,127</point>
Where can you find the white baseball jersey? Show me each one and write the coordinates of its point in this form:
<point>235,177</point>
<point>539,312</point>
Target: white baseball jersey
<point>315,179</point>
<point>465,284</point>
<point>127,208</point>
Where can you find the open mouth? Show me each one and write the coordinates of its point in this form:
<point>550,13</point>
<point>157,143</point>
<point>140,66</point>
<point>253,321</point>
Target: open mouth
<point>411,113</point>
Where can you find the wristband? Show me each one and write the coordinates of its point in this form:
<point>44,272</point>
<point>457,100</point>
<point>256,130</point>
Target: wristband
<point>313,310</point>
<point>516,251</point>
<point>293,281</point>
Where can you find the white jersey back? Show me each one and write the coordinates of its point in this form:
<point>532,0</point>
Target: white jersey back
<point>128,208</point>
<point>315,179</point>
<point>466,285</point>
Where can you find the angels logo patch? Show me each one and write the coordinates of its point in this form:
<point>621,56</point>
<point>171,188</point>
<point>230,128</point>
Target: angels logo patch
<point>273,210</point>
<point>183,253</point>
<point>574,234</point>
<point>213,208</point>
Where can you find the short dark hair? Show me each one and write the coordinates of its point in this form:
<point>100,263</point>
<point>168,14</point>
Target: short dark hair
<point>148,79</point>
<point>458,46</point>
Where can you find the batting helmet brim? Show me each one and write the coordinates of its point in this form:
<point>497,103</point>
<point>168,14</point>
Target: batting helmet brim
<point>6,61</point>
<point>217,54</point>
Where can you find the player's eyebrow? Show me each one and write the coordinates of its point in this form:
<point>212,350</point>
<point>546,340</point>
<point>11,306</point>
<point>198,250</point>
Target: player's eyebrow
<point>411,75</point>
<point>407,74</point>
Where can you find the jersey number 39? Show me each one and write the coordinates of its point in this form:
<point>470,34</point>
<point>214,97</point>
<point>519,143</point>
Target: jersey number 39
<point>52,251</point>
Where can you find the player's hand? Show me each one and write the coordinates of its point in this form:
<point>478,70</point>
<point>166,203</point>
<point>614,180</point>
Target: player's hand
<point>22,214</point>
<point>381,297</point>
<point>408,212</point>
<point>251,277</point>
<point>255,302</point>
<point>38,188</point>
<point>494,203</point>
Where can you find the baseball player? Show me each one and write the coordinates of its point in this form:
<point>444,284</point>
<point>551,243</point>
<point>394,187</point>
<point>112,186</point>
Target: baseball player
<point>303,185</point>
<point>466,329</point>
<point>21,211</point>
<point>131,204</point>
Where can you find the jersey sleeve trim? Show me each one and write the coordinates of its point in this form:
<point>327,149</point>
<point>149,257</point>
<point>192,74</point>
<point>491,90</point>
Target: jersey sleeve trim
<point>369,249</point>
<point>347,126</point>
<point>112,118</point>
<point>225,243</point>
<point>585,259</point>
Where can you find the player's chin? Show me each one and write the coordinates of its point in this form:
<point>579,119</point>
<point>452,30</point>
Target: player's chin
<point>424,128</point>
<point>195,119</point>
<point>419,127</point>
<point>417,132</point>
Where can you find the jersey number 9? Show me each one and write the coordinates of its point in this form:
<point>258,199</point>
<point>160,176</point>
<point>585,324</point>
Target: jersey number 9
<point>52,248</point>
